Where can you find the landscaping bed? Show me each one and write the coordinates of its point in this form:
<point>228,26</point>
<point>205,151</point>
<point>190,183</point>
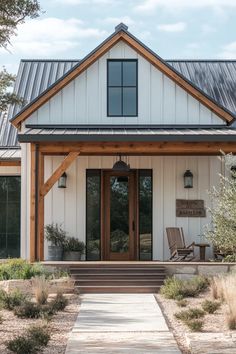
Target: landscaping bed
<point>32,320</point>
<point>213,333</point>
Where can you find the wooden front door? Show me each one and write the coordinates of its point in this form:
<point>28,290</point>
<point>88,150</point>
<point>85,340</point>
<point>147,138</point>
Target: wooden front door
<point>119,216</point>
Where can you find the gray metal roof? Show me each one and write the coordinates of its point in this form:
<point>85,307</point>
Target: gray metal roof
<point>126,134</point>
<point>216,78</point>
<point>10,154</point>
<point>34,77</point>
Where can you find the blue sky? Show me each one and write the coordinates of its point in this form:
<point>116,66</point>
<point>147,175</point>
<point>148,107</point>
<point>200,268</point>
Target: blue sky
<point>172,28</point>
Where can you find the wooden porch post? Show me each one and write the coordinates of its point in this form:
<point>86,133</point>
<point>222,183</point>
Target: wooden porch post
<point>40,226</point>
<point>32,202</point>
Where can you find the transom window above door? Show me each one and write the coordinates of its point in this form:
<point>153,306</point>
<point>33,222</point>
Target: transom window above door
<point>122,88</point>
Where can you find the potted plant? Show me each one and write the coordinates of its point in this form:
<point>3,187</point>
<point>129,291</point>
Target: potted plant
<point>73,249</point>
<point>56,237</point>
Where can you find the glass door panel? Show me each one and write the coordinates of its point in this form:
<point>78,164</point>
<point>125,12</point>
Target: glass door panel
<point>119,216</point>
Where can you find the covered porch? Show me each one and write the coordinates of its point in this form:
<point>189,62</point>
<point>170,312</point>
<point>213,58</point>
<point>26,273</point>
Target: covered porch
<point>165,153</point>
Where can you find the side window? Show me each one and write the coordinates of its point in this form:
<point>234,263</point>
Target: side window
<point>122,88</point>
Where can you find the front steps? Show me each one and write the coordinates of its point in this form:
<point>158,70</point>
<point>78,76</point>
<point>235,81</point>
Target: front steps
<point>117,277</point>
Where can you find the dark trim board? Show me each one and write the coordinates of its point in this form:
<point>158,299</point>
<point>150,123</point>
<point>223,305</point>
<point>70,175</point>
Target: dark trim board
<point>33,138</point>
<point>130,126</point>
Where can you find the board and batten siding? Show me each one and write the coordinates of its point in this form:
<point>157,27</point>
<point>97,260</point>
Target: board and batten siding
<point>68,206</point>
<point>160,100</point>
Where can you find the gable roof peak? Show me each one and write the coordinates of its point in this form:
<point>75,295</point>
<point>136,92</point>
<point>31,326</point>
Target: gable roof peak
<point>121,27</point>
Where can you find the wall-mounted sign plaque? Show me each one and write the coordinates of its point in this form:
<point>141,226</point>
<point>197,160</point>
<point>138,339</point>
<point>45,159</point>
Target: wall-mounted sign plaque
<point>190,208</point>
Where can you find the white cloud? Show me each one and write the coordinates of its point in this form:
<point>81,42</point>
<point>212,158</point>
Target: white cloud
<point>206,29</point>
<point>51,36</point>
<point>116,20</point>
<point>172,27</point>
<point>150,5</point>
<point>228,51</point>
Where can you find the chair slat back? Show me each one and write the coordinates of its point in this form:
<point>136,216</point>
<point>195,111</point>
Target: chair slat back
<point>175,237</point>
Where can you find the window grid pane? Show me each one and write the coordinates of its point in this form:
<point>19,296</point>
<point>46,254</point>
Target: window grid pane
<point>122,92</point>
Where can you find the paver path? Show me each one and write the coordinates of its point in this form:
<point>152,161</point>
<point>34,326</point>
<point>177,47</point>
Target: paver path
<point>121,323</point>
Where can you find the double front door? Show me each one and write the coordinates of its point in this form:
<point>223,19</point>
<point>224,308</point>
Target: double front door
<point>119,212</point>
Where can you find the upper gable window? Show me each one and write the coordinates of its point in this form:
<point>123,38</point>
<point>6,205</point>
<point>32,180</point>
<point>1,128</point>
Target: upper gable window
<point>122,88</point>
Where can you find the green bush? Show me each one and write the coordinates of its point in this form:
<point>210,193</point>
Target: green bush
<point>59,303</point>
<point>35,338</point>
<point>28,310</point>
<point>210,306</point>
<point>195,325</point>
<point>190,314</point>
<point>22,345</point>
<point>39,334</point>
<point>182,303</point>
<point>12,300</point>
<point>20,269</point>
<point>177,289</point>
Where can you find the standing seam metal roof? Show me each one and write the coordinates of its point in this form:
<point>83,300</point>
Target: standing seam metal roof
<point>216,78</point>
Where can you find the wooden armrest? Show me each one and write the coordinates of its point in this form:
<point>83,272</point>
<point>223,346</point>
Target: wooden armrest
<point>191,245</point>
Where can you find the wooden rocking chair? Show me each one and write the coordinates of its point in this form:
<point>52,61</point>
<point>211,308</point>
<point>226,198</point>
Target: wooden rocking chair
<point>178,249</point>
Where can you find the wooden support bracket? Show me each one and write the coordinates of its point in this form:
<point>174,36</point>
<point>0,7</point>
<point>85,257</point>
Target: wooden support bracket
<point>58,172</point>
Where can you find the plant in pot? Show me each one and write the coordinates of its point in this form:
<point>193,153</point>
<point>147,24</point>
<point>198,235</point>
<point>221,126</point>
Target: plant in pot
<point>73,249</point>
<point>56,237</point>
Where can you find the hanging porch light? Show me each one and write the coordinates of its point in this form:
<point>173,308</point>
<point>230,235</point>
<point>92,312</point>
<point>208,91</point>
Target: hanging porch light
<point>62,181</point>
<point>121,166</point>
<point>188,179</point>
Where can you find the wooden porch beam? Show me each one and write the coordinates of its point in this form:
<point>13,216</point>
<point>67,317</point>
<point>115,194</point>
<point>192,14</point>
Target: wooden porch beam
<point>9,163</point>
<point>139,148</point>
<point>58,172</point>
<point>40,223</point>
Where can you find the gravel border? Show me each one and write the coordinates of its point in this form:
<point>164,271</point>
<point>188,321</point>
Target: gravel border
<point>60,326</point>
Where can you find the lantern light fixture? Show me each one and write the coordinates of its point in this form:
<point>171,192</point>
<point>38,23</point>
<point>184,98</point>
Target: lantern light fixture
<point>121,166</point>
<point>188,179</point>
<point>233,171</point>
<point>62,181</point>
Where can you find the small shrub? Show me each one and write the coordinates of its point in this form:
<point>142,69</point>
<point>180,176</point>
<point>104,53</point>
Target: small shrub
<point>41,289</point>
<point>28,310</point>
<point>190,314</point>
<point>39,334</point>
<point>182,303</point>
<point>231,321</point>
<point>22,345</point>
<point>20,269</point>
<point>210,306</point>
<point>59,303</point>
<point>195,325</point>
<point>177,289</point>
<point>12,300</point>
<point>217,288</point>
<point>31,342</point>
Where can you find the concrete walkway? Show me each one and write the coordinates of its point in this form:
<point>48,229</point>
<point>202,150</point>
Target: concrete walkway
<point>121,323</point>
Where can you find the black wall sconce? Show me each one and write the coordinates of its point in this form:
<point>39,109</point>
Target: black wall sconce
<point>188,179</point>
<point>62,181</point>
<point>233,171</point>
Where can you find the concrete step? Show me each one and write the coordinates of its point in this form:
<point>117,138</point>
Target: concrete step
<point>111,275</point>
<point>117,289</point>
<point>119,282</point>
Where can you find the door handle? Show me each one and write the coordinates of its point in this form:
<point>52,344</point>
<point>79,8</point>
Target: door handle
<point>133,225</point>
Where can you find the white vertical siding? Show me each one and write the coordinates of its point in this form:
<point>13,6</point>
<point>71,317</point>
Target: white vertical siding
<point>67,206</point>
<point>160,100</point>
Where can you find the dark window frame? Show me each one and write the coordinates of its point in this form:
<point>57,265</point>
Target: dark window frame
<point>141,172</point>
<point>96,172</point>
<point>122,88</point>
<point>14,176</point>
